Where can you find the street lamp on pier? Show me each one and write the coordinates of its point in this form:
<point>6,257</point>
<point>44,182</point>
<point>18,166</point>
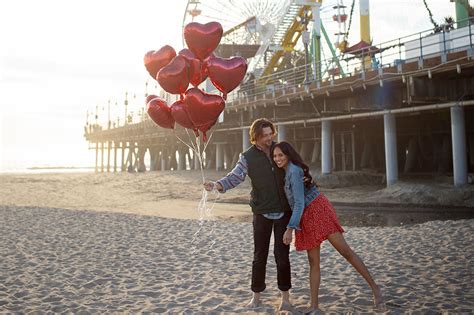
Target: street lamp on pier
<point>134,103</point>
<point>118,116</point>
<point>108,114</point>
<point>126,105</point>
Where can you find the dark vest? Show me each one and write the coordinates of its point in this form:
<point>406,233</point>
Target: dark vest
<point>267,179</point>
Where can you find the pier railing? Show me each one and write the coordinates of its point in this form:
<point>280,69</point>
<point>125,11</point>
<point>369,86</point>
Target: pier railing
<point>416,47</point>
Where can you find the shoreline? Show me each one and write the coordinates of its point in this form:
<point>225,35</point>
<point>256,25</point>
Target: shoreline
<point>357,199</point>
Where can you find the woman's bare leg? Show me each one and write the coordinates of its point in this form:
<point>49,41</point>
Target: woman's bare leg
<point>339,243</point>
<point>314,275</point>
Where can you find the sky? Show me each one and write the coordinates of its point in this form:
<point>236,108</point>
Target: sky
<point>60,59</point>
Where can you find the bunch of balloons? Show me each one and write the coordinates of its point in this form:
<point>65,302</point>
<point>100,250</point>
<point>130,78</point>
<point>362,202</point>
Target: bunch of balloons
<point>196,109</point>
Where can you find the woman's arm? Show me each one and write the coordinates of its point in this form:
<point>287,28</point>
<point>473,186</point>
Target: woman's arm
<point>297,189</point>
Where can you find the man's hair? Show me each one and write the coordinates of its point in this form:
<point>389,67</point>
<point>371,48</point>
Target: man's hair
<point>257,126</point>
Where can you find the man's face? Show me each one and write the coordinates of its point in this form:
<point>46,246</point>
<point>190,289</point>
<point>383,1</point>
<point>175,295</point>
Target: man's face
<point>266,138</point>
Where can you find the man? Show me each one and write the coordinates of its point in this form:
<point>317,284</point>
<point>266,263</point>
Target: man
<point>269,206</point>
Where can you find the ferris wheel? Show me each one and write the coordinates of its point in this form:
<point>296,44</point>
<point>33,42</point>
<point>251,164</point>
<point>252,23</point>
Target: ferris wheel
<point>243,21</point>
<point>340,17</point>
<point>256,23</point>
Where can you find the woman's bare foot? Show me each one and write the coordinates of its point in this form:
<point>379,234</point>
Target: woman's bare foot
<point>313,311</point>
<point>379,301</point>
<point>255,301</point>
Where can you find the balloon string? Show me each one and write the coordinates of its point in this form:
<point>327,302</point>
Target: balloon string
<point>209,210</point>
<point>208,141</point>
<point>182,140</point>
<point>200,156</point>
<point>195,149</point>
<point>190,140</point>
<point>204,209</point>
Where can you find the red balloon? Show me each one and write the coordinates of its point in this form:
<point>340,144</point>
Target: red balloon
<point>174,77</point>
<point>186,53</point>
<point>197,73</point>
<point>226,74</point>
<point>156,59</point>
<point>205,128</point>
<point>205,63</point>
<point>203,39</point>
<point>203,108</point>
<point>160,113</point>
<point>178,111</point>
<point>149,98</point>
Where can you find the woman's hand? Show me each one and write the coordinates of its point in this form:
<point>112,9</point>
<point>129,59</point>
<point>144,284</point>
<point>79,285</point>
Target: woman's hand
<point>288,236</point>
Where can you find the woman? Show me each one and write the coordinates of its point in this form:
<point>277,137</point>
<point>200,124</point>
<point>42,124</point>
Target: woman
<point>314,220</point>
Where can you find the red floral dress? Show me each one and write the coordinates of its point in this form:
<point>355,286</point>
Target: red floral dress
<point>318,221</point>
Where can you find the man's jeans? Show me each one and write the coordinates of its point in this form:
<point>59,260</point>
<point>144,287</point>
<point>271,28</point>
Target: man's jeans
<point>262,231</point>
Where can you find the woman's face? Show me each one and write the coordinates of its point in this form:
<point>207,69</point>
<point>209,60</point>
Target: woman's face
<point>280,158</point>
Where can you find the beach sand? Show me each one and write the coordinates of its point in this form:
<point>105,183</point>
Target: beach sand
<point>137,243</point>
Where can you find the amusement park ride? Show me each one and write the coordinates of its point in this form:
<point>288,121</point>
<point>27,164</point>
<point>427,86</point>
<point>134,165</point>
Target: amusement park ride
<point>267,33</point>
<point>270,36</point>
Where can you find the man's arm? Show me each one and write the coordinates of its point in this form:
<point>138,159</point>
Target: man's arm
<point>232,179</point>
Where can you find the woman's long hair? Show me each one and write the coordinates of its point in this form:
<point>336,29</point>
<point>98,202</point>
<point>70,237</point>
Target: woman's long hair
<point>295,158</point>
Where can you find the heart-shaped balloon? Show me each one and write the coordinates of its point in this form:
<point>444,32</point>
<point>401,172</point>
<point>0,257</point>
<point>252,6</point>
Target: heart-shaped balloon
<point>197,73</point>
<point>160,113</point>
<point>205,63</point>
<point>173,78</point>
<point>149,98</point>
<point>226,74</point>
<point>203,39</point>
<point>178,111</point>
<point>156,59</point>
<point>203,108</point>
<point>205,128</point>
<point>186,53</point>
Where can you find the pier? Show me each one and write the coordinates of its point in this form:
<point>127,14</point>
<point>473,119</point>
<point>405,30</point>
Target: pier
<point>402,107</point>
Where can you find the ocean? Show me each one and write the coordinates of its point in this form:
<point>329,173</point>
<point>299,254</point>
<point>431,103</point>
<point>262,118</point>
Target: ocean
<point>49,169</point>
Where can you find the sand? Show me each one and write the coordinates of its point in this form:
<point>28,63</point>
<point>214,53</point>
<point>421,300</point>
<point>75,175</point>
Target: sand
<point>134,243</point>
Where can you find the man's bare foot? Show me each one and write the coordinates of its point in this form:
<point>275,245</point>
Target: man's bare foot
<point>379,301</point>
<point>285,306</point>
<point>255,301</point>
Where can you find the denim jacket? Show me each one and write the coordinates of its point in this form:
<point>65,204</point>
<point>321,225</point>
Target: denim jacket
<point>299,196</point>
